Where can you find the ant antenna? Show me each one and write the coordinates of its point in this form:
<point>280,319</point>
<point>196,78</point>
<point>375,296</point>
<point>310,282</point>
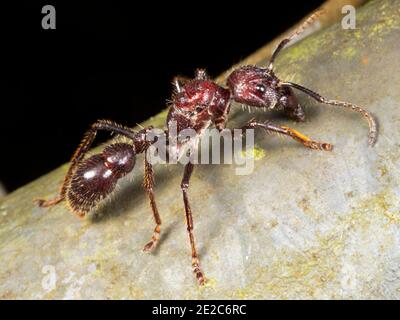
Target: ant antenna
<point>373,132</point>
<point>296,32</point>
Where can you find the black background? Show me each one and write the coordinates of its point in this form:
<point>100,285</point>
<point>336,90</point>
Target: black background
<point>113,61</point>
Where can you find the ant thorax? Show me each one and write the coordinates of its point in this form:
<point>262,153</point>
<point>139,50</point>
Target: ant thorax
<point>197,105</point>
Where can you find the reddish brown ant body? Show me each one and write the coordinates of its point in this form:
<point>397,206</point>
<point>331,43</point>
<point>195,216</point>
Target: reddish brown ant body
<point>196,104</point>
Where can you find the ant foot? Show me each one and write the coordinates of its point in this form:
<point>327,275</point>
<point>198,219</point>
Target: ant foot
<point>318,145</point>
<point>149,246</point>
<point>154,240</point>
<point>48,203</point>
<point>199,274</point>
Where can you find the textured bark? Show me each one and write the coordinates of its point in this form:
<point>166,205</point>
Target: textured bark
<point>304,224</point>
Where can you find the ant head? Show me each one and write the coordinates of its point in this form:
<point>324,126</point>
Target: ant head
<point>253,86</point>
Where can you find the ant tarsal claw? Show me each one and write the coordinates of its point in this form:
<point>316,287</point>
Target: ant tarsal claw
<point>149,247</point>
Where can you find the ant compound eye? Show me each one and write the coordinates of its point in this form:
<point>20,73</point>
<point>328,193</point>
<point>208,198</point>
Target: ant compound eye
<point>260,88</point>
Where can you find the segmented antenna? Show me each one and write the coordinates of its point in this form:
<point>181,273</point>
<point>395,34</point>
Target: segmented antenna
<point>296,33</point>
<point>373,131</point>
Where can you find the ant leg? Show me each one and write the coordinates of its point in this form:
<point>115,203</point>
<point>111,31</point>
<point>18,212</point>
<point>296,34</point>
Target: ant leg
<point>294,134</point>
<point>296,32</point>
<point>83,148</point>
<point>189,222</point>
<point>373,131</point>
<point>48,203</point>
<point>148,184</point>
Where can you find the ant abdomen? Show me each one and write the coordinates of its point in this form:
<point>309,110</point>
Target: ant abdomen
<point>95,177</point>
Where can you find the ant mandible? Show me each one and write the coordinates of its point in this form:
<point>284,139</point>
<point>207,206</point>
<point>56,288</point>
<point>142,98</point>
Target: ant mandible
<point>196,103</point>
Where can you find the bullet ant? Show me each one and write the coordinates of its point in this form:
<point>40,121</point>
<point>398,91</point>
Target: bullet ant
<point>197,104</point>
